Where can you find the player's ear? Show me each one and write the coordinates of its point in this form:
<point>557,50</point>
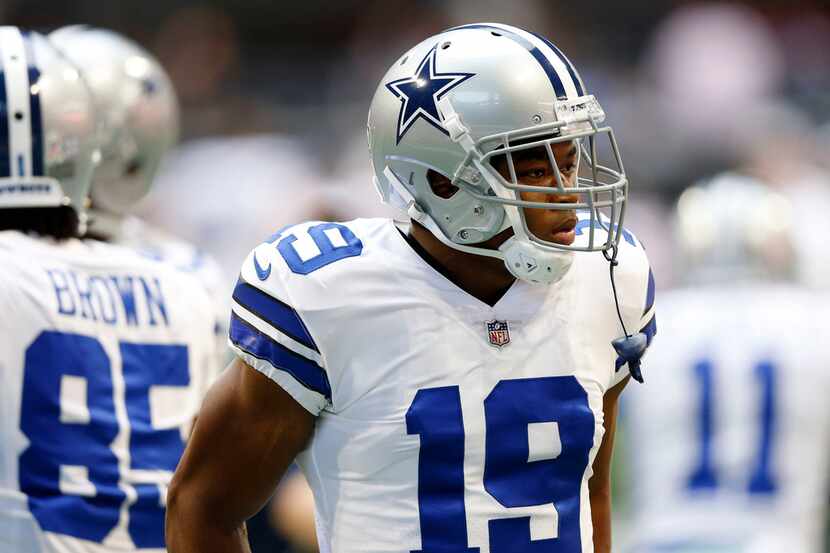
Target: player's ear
<point>440,185</point>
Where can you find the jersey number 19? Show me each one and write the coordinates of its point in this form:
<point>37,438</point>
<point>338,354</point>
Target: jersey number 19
<point>511,477</point>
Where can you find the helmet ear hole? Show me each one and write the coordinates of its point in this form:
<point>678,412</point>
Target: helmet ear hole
<point>440,185</point>
<point>132,168</point>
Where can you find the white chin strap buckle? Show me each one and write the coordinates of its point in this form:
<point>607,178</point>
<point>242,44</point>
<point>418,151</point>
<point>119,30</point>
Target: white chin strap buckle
<point>452,122</point>
<point>529,263</point>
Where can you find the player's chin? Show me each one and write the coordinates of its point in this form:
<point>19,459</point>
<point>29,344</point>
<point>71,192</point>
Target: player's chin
<point>563,237</point>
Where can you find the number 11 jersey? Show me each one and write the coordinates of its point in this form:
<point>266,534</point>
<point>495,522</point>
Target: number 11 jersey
<point>732,451</point>
<point>444,424</point>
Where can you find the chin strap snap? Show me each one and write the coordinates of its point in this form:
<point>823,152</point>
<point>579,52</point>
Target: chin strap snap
<point>629,348</point>
<point>452,122</point>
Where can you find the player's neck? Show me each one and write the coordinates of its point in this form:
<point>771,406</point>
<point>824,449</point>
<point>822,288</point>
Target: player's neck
<point>485,278</point>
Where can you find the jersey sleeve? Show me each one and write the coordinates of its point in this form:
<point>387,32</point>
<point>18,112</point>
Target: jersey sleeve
<point>268,333</point>
<point>636,294</point>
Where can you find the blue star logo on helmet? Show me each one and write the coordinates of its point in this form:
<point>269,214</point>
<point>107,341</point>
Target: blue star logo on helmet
<point>420,94</point>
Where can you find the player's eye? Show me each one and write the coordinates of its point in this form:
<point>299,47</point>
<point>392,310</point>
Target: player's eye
<point>534,173</point>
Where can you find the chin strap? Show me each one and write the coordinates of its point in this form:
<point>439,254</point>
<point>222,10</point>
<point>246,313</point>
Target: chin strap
<point>629,348</point>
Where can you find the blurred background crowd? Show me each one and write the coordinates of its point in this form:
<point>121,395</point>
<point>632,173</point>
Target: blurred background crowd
<point>274,96</point>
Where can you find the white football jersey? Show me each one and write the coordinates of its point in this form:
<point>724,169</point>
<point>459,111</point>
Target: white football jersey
<point>444,423</point>
<point>104,357</point>
<point>156,244</point>
<point>729,439</point>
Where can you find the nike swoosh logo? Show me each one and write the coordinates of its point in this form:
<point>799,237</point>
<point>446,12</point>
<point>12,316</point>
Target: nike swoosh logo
<point>261,273</point>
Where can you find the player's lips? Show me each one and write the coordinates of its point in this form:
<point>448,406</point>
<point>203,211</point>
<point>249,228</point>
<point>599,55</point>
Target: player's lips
<point>565,232</point>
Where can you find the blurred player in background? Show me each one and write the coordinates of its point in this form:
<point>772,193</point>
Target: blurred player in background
<point>104,354</point>
<point>730,448</point>
<point>138,120</point>
<point>448,385</point>
<point>138,123</point>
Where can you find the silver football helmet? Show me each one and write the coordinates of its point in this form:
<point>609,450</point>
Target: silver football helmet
<point>138,113</point>
<point>734,227</point>
<point>460,98</point>
<point>47,125</point>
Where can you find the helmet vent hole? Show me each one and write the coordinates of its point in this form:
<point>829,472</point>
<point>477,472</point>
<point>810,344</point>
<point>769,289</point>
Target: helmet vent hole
<point>494,33</point>
<point>446,45</point>
<point>440,185</point>
<point>18,116</point>
<point>132,168</point>
<point>403,61</point>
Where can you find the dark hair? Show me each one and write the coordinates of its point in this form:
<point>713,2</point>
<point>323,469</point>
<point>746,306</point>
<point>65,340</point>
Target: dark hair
<point>57,222</point>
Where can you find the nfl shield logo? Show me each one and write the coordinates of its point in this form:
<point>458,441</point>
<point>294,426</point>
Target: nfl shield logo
<point>499,333</point>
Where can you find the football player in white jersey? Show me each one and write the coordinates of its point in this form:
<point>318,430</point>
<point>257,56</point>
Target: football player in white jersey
<point>450,384</point>
<point>730,444</point>
<point>138,120</point>
<point>104,354</point>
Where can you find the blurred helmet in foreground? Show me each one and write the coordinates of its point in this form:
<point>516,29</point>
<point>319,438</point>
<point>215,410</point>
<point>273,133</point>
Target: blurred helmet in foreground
<point>461,98</point>
<point>734,227</point>
<point>47,126</point>
<point>137,109</point>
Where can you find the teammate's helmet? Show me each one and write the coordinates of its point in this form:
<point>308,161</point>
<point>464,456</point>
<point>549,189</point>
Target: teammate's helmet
<point>732,227</point>
<point>137,107</point>
<point>461,98</point>
<point>47,126</point>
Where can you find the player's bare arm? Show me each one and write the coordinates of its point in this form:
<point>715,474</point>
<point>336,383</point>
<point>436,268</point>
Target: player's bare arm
<point>445,349</point>
<point>600,484</point>
<point>248,433</point>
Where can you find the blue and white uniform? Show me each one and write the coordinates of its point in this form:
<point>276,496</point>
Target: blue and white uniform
<point>154,243</point>
<point>104,358</point>
<point>729,441</point>
<point>443,423</point>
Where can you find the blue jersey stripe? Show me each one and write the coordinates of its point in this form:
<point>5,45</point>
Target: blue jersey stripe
<point>650,330</point>
<point>274,312</point>
<point>571,69</point>
<point>540,57</point>
<point>5,137</point>
<point>252,341</point>
<point>35,115</point>
<point>650,293</point>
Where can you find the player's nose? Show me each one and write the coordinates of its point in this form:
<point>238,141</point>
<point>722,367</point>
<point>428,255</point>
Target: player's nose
<point>559,198</point>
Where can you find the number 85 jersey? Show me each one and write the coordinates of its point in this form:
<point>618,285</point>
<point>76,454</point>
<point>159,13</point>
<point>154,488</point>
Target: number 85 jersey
<point>104,356</point>
<point>444,424</point>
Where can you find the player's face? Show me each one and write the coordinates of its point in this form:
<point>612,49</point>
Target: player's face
<point>533,168</point>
